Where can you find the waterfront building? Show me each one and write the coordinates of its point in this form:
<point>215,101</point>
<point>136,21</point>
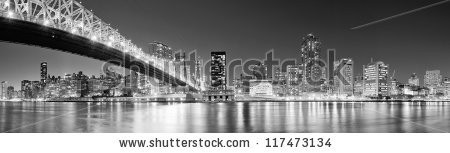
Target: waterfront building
<point>446,86</point>
<point>343,82</point>
<point>375,79</point>
<point>294,75</point>
<point>279,82</point>
<point>10,92</point>
<point>218,70</point>
<point>261,88</point>
<point>3,93</point>
<point>433,80</point>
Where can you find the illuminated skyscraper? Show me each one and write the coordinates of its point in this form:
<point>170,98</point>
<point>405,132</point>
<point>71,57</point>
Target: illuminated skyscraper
<point>310,49</point>
<point>43,74</point>
<point>218,70</point>
<point>3,92</point>
<point>375,81</point>
<point>199,73</point>
<point>331,60</point>
<point>310,58</point>
<point>294,75</point>
<point>343,82</point>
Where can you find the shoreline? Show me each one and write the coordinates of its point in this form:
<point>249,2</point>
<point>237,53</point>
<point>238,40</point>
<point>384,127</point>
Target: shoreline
<point>235,101</point>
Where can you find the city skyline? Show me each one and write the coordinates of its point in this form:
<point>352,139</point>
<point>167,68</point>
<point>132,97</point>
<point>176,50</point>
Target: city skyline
<point>260,34</point>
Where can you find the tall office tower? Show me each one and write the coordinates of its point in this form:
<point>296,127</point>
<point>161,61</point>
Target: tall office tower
<point>358,87</point>
<point>310,55</point>
<point>331,60</point>
<point>432,80</point>
<point>3,90</point>
<point>294,75</point>
<point>343,82</point>
<point>279,81</point>
<point>446,86</point>
<point>26,89</point>
<point>218,70</point>
<point>310,49</point>
<point>199,72</point>
<point>161,50</point>
<point>43,74</point>
<point>414,80</point>
<point>375,79</point>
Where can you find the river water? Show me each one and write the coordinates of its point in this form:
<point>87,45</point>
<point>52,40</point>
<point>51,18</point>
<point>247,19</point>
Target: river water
<point>260,117</point>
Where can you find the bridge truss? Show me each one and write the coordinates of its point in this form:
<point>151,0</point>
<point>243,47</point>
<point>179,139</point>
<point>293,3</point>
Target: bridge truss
<point>72,17</point>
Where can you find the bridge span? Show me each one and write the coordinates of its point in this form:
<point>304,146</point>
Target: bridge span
<point>65,25</point>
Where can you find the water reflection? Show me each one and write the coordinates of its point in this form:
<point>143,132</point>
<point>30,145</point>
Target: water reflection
<point>126,117</point>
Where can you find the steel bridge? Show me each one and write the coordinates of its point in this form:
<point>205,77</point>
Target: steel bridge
<point>68,26</point>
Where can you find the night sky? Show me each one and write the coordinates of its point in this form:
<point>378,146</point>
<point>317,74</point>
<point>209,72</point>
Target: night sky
<point>247,29</point>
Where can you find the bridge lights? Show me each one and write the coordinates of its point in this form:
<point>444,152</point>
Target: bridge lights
<point>7,3</point>
<point>109,44</point>
<point>111,38</point>
<point>10,14</point>
<point>74,31</point>
<point>46,23</point>
<point>94,38</point>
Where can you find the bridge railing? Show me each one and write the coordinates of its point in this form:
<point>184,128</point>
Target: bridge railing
<point>72,17</point>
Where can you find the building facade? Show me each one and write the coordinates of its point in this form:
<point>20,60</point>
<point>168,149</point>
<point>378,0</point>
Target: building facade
<point>160,50</point>
<point>44,74</point>
<point>218,70</point>
<point>343,77</point>
<point>375,79</point>
<point>261,88</point>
